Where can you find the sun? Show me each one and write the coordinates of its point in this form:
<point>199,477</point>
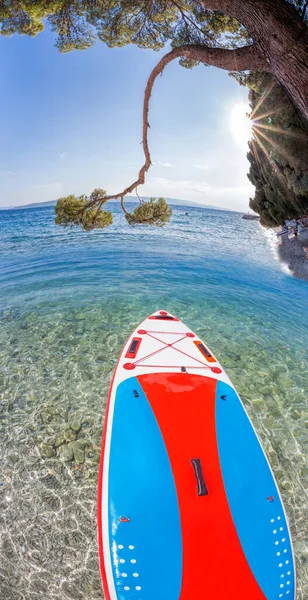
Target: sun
<point>240,123</point>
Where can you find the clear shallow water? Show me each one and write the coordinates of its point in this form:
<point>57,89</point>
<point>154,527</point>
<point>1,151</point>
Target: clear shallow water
<point>68,300</point>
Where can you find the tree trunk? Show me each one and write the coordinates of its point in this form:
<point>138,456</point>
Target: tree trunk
<point>280,47</point>
<point>280,36</point>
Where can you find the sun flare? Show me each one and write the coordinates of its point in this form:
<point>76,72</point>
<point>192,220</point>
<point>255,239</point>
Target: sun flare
<point>240,123</point>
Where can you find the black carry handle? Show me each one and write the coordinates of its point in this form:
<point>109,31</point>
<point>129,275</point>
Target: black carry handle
<point>202,489</point>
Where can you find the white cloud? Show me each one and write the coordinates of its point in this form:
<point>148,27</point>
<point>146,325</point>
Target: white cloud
<point>163,164</point>
<point>170,183</point>
<point>63,155</point>
<point>203,167</point>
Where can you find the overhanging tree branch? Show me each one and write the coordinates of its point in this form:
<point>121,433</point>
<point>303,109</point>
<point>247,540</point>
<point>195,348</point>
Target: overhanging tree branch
<point>241,59</point>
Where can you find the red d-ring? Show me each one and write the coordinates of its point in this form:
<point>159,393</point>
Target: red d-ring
<point>129,366</point>
<point>142,331</point>
<point>190,335</point>
<point>124,519</point>
<point>163,313</point>
<point>216,370</point>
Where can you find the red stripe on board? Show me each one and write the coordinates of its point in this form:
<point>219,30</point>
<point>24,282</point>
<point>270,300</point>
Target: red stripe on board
<point>214,564</point>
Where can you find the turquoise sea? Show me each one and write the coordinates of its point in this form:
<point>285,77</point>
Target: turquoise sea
<point>68,300</point>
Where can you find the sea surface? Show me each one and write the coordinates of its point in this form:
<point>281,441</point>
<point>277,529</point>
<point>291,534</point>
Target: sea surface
<point>68,301</point>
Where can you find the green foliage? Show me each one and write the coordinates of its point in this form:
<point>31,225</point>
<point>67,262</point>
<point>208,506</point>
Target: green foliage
<point>147,24</point>
<point>76,211</point>
<point>78,23</point>
<point>279,154</point>
<point>153,212</point>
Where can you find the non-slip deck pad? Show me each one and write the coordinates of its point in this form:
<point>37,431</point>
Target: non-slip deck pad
<point>220,545</point>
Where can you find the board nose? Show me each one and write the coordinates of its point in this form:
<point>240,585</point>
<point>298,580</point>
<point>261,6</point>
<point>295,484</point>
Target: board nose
<point>163,315</point>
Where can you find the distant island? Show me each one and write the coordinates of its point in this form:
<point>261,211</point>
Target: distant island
<point>172,201</point>
<point>32,205</point>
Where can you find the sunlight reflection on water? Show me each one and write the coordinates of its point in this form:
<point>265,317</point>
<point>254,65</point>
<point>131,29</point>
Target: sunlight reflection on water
<point>68,301</point>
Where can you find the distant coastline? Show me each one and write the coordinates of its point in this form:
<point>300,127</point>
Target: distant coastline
<point>172,201</point>
<point>32,205</point>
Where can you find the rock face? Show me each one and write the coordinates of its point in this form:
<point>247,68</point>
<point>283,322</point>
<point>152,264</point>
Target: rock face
<point>294,253</point>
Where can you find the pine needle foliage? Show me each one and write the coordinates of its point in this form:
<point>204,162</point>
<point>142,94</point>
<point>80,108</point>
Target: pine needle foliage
<point>147,24</point>
<point>153,212</point>
<point>71,211</point>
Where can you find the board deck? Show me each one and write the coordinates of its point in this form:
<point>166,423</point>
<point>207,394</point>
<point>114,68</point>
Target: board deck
<point>188,508</point>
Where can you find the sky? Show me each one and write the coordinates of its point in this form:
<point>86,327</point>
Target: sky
<point>73,122</point>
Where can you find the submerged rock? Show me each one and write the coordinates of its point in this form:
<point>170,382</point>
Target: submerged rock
<point>76,426</point>
<point>79,444</point>
<point>58,441</point>
<point>97,437</point>
<point>79,456</point>
<point>286,485</point>
<point>80,317</point>
<point>13,457</point>
<point>47,451</point>
<point>280,369</point>
<point>66,452</point>
<point>82,443</point>
<point>93,458</point>
<point>46,417</point>
<point>78,448</point>
<point>50,481</point>
<point>68,435</point>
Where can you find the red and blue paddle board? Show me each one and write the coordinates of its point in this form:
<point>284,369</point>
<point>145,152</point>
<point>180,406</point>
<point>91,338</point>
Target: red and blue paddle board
<point>188,508</point>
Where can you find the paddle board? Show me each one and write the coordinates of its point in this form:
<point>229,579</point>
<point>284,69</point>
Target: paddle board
<point>188,508</point>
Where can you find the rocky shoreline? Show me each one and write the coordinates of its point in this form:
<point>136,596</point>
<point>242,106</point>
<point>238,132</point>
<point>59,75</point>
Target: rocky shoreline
<point>294,253</point>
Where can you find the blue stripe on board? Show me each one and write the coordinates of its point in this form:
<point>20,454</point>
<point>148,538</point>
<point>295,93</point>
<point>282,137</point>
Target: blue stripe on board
<point>260,524</point>
<point>141,487</point>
